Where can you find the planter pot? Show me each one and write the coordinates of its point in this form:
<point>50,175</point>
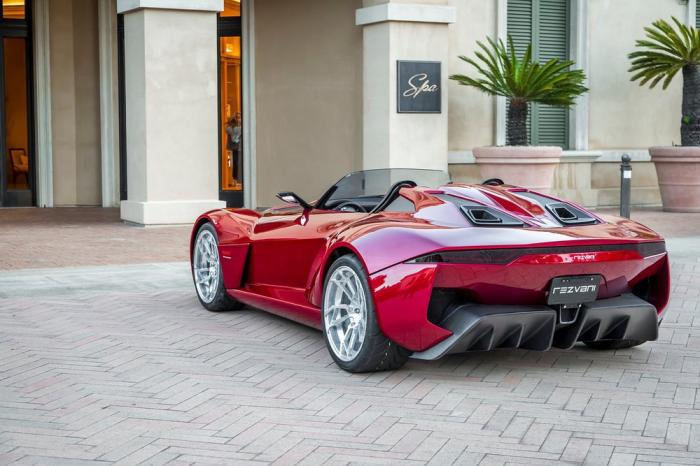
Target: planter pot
<point>531,167</point>
<point>678,170</point>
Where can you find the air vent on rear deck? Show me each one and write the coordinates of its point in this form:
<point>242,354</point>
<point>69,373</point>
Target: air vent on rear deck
<point>564,212</point>
<point>486,216</point>
<point>569,215</point>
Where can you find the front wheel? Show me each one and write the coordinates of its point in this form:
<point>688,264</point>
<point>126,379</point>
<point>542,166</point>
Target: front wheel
<point>350,324</point>
<point>206,272</point>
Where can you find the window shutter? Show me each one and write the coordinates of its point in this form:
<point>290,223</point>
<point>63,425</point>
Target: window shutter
<point>551,124</point>
<point>519,24</point>
<point>545,23</point>
<point>697,14</point>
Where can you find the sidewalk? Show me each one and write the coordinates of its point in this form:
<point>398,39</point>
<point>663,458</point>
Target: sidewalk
<point>63,237</point>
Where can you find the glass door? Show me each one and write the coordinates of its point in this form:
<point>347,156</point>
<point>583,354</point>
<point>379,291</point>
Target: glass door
<point>16,149</point>
<point>231,182</point>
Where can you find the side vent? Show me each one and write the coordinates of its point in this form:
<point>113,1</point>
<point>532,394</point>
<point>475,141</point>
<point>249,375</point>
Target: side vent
<point>569,215</point>
<point>486,216</point>
<point>565,213</point>
<point>482,216</point>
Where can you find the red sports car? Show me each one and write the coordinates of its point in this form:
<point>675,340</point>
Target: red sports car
<point>400,263</point>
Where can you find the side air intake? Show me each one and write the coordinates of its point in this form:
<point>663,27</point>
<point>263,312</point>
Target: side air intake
<point>486,216</point>
<point>565,213</point>
<point>569,215</point>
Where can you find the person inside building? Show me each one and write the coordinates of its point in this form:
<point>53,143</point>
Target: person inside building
<point>233,144</point>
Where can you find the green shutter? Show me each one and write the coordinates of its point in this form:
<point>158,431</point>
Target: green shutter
<point>551,126</point>
<point>697,14</point>
<point>545,23</point>
<point>520,24</point>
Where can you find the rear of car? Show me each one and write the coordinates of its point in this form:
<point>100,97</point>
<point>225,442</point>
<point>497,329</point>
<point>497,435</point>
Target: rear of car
<point>503,267</point>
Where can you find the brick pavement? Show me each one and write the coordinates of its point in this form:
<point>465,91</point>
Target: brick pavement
<point>120,364</point>
<point>61,237</point>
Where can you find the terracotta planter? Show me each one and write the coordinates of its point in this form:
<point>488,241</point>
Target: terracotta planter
<point>531,167</point>
<point>678,169</point>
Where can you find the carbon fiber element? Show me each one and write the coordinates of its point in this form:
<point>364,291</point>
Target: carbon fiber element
<point>478,327</point>
<point>508,255</point>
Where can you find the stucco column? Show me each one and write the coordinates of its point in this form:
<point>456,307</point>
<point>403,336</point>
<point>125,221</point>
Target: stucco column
<point>171,109</point>
<point>394,31</point>
<point>109,101</point>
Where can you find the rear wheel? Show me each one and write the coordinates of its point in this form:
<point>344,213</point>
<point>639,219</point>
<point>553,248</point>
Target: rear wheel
<point>350,324</point>
<point>612,344</point>
<point>206,272</point>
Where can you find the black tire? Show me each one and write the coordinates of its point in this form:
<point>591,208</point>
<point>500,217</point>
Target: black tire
<point>221,301</point>
<point>612,344</point>
<point>377,353</point>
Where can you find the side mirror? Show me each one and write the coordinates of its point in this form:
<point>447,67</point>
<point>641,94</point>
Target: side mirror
<point>293,198</point>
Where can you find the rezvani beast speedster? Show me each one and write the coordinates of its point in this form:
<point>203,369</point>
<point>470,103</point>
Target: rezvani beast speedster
<point>400,263</point>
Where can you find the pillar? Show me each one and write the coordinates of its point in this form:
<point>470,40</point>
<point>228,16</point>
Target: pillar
<point>395,31</point>
<point>109,101</point>
<point>171,109</point>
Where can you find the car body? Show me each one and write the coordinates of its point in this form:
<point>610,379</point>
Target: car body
<point>448,267</point>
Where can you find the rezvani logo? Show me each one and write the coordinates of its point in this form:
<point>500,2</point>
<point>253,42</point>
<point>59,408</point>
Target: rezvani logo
<point>574,289</point>
<point>583,257</point>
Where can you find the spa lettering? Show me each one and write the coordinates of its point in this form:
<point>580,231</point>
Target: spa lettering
<point>418,84</point>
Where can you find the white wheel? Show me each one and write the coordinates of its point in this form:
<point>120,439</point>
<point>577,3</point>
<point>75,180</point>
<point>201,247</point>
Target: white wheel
<point>345,313</point>
<point>207,273</point>
<point>350,327</point>
<point>205,265</point>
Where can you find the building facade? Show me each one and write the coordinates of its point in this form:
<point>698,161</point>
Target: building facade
<point>167,108</point>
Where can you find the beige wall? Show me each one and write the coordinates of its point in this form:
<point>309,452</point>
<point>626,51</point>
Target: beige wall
<point>308,95</point>
<point>75,102</point>
<point>623,115</point>
<point>471,114</point>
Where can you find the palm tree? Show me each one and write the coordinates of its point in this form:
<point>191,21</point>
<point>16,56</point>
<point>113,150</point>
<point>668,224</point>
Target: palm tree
<point>522,81</point>
<point>666,51</point>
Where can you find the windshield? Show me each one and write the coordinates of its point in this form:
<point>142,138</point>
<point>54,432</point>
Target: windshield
<point>374,184</point>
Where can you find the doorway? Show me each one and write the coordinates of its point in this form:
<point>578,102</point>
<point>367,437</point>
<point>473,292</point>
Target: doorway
<point>231,181</point>
<point>16,115</point>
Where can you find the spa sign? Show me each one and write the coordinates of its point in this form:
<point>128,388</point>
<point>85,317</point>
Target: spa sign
<point>419,87</point>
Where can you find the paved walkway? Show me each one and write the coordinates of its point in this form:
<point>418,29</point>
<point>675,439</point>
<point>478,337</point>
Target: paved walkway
<point>120,364</point>
<point>62,237</point>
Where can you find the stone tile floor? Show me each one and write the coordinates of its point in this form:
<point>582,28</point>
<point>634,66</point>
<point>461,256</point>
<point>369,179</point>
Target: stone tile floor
<point>120,364</point>
<point>41,238</point>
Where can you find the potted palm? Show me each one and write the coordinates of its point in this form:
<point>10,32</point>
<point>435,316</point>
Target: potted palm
<point>522,81</point>
<point>664,52</point>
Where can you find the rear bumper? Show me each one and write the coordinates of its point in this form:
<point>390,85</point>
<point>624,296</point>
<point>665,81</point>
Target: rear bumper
<point>412,299</point>
<point>478,327</point>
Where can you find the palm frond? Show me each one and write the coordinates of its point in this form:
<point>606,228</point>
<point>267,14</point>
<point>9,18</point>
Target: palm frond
<point>500,71</point>
<point>667,48</point>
